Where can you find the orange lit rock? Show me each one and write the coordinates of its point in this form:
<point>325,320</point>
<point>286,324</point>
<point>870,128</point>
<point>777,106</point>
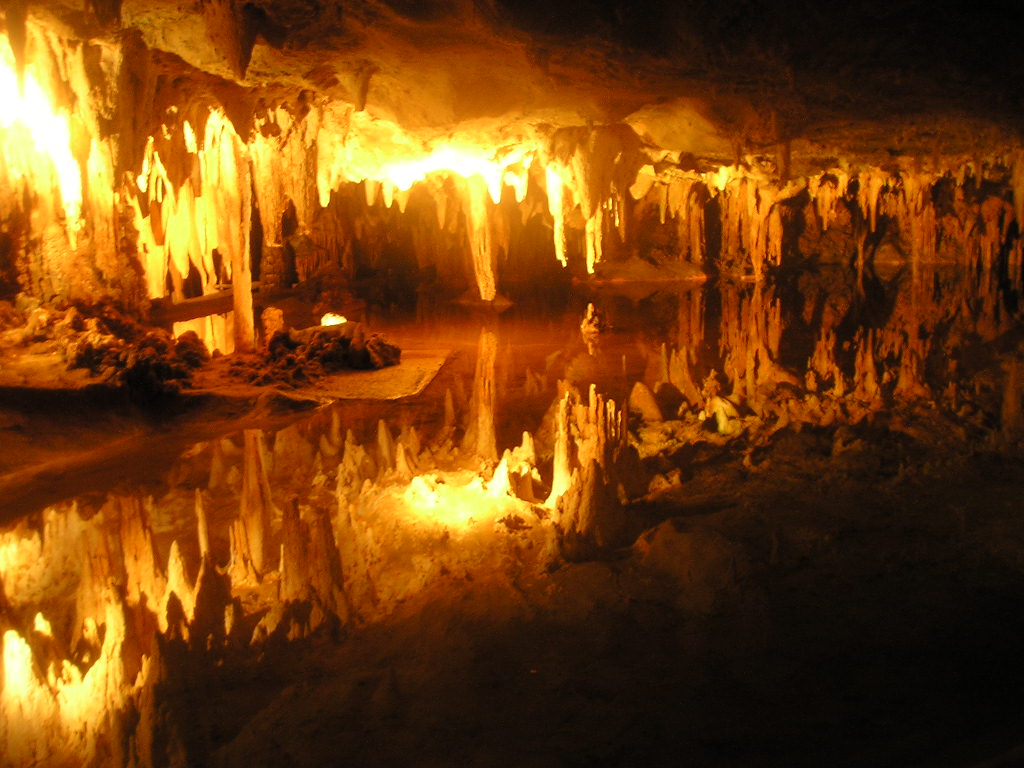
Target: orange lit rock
<point>250,533</point>
<point>705,565</point>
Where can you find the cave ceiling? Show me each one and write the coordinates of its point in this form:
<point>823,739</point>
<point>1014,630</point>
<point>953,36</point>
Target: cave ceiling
<point>718,81</point>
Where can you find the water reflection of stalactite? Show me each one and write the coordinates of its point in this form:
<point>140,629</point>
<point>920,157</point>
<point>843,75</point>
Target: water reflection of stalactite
<point>250,550</point>
<point>749,337</point>
<point>682,362</point>
<point>480,438</point>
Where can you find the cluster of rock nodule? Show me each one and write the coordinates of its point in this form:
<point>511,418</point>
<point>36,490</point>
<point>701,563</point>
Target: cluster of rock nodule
<point>298,357</point>
<point>110,344</point>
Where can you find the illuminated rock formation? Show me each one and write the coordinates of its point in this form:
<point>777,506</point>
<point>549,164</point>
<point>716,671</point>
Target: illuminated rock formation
<point>778,255</point>
<point>205,158</point>
<point>250,534</point>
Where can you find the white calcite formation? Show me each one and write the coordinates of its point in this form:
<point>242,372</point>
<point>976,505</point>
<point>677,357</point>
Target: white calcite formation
<point>153,152</point>
<point>312,530</point>
<point>147,176</point>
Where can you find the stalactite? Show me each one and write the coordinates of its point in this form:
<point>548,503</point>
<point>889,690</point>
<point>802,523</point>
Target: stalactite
<point>556,207</point>
<point>866,388</point>
<point>310,562</point>
<point>871,184</point>
<point>37,144</point>
<point>202,525</point>
<point>481,244</point>
<point>480,439</point>
<point>916,214</point>
<point>250,532</point>
<point>356,465</point>
<point>68,716</point>
<point>386,450</point>
<point>823,363</point>
<point>734,211</point>
<point>99,571</point>
<point>827,190</point>
<point>594,228</point>
<point>180,587</point>
<point>144,579</point>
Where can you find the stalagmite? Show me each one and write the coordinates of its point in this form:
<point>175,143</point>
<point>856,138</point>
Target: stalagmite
<point>590,518</point>
<point>598,432</point>
<point>642,402</point>
<point>410,438</point>
<point>405,466</point>
<point>357,550</point>
<point>179,586</point>
<point>827,190</point>
<point>823,363</point>
<point>218,466</point>
<point>679,375</point>
<point>562,472</point>
<point>517,472</point>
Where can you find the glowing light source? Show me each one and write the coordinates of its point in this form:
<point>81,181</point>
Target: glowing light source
<point>42,626</point>
<point>19,679</point>
<point>332,318</point>
<point>456,499</point>
<point>720,179</point>
<point>35,136</point>
<point>464,160</point>
<point>382,152</point>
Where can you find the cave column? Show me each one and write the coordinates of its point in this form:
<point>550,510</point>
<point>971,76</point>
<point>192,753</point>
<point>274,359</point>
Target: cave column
<point>241,271</point>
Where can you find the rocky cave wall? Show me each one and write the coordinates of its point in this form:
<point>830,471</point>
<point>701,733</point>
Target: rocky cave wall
<point>178,151</point>
<point>144,172</point>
